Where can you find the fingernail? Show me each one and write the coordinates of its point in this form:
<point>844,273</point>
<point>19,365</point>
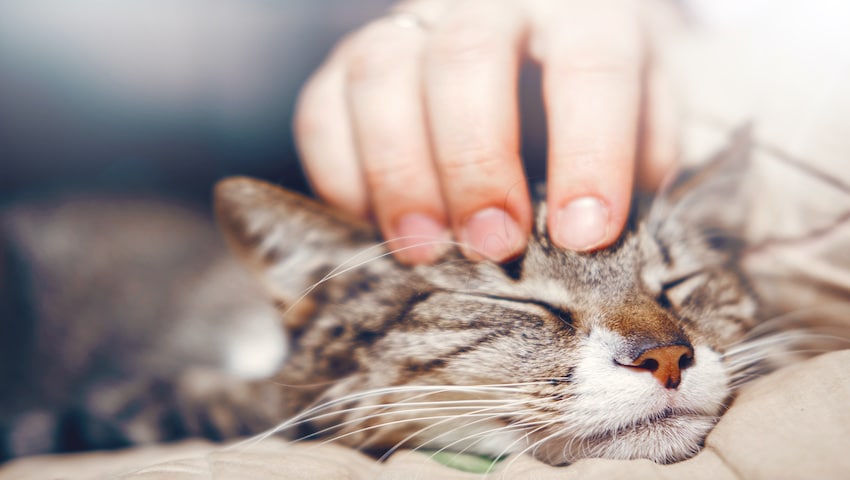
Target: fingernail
<point>493,234</point>
<point>582,224</point>
<point>420,238</point>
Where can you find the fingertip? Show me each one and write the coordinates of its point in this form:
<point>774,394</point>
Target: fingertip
<point>589,221</point>
<point>417,239</point>
<point>493,234</point>
<point>583,224</point>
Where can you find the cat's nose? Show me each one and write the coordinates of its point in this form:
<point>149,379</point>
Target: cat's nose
<point>665,363</point>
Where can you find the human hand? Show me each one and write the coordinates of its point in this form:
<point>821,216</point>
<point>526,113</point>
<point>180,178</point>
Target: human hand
<point>414,119</point>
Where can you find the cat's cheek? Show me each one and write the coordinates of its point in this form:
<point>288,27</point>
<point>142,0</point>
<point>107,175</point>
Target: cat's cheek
<point>705,385</point>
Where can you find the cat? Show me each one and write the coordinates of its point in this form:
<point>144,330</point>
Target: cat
<point>622,353</point>
<point>629,352</point>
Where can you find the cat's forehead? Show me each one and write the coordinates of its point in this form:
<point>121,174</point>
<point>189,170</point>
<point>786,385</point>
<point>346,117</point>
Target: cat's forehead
<point>608,274</point>
<point>549,273</point>
<point>542,258</point>
<point>546,259</point>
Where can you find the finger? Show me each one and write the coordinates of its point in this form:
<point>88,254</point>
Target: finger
<point>592,65</point>
<point>324,140</point>
<point>471,69</point>
<point>385,100</point>
<point>659,149</point>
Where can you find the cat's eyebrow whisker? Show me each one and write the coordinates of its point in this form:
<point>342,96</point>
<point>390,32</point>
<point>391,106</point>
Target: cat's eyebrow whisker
<point>343,267</point>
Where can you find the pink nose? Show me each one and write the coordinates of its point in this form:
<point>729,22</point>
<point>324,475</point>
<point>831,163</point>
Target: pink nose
<point>665,363</point>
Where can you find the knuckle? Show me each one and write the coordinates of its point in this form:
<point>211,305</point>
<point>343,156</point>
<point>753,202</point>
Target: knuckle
<point>372,56</point>
<point>590,156</point>
<point>461,43</point>
<point>475,161</point>
<point>593,54</point>
<point>367,65</point>
<point>610,64</point>
<point>384,177</point>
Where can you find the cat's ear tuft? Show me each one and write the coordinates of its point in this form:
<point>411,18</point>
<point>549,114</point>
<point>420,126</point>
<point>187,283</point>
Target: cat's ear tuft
<point>288,238</point>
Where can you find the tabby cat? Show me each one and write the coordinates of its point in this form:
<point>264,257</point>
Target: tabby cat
<point>629,352</point>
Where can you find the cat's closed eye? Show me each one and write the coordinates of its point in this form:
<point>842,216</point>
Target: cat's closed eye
<point>675,292</point>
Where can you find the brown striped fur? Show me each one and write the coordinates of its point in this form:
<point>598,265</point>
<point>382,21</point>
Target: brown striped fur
<point>629,352</point>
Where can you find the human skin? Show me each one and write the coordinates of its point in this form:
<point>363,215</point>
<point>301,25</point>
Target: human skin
<point>413,121</point>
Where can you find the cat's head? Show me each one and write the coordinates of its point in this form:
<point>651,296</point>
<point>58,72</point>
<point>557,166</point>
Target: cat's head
<point>617,353</point>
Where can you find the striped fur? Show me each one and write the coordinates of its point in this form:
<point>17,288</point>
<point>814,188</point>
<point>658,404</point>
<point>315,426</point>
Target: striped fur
<point>495,359</point>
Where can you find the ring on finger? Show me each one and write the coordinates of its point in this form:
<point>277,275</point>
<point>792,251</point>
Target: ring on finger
<point>408,20</point>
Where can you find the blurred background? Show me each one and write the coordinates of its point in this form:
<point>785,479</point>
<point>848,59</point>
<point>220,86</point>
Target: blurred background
<point>163,95</point>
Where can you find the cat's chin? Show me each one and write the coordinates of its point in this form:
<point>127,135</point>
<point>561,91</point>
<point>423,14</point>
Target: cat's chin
<point>667,439</point>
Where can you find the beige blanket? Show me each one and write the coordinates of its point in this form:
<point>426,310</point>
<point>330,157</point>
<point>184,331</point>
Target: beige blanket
<point>791,78</point>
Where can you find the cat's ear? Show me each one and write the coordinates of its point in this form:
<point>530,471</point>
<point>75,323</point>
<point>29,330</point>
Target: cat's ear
<point>289,239</point>
<point>709,201</point>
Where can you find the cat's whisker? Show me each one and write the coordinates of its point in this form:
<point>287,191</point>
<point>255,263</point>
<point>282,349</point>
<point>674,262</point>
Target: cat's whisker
<point>302,385</point>
<point>343,267</point>
<point>425,390</point>
<point>422,406</point>
<point>388,411</point>
<point>421,390</point>
<point>531,447</point>
<point>752,362</point>
<point>796,318</point>
<point>402,421</point>
<point>483,435</point>
<point>428,427</point>
<point>787,337</point>
<point>497,407</point>
<point>753,357</point>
